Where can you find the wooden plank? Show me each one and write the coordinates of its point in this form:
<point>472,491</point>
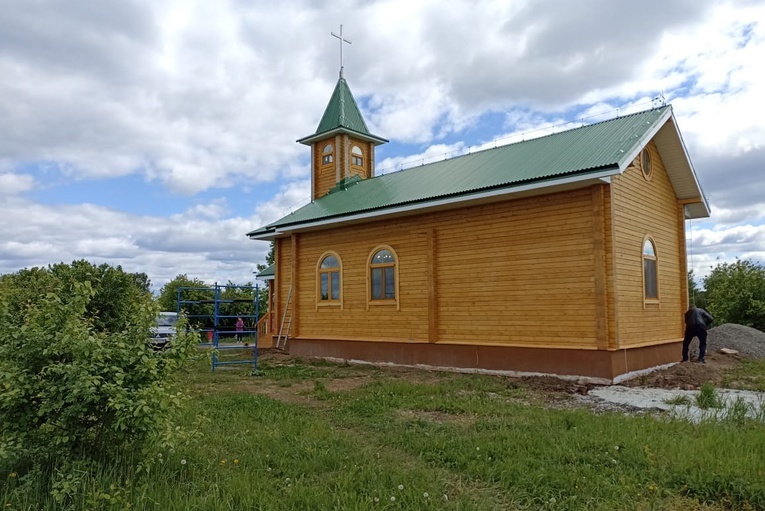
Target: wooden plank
<point>683,263</point>
<point>295,326</point>
<point>432,287</point>
<point>599,270</point>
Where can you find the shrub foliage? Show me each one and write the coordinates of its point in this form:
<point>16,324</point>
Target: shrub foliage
<point>72,392</point>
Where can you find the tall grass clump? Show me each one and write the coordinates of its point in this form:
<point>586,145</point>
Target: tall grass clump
<point>75,398</point>
<point>709,398</point>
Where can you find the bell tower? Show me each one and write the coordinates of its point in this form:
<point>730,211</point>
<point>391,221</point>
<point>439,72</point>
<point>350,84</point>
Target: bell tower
<point>342,146</point>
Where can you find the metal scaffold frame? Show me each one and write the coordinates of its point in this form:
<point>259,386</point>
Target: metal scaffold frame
<point>215,330</point>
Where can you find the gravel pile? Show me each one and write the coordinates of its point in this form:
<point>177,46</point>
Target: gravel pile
<point>749,342</point>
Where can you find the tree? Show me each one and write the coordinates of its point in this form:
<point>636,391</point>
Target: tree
<point>736,293</point>
<point>199,313</point>
<point>263,294</point>
<point>114,292</point>
<point>696,295</point>
<point>270,258</point>
<point>236,299</point>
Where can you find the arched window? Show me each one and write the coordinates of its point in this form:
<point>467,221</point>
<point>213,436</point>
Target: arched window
<point>326,154</point>
<point>329,284</point>
<point>357,156</point>
<point>383,276</point>
<point>650,271</point>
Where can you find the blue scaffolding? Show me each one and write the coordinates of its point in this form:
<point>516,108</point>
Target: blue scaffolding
<point>217,328</point>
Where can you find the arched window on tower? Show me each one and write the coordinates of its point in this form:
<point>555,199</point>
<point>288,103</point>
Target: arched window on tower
<point>357,156</point>
<point>326,154</point>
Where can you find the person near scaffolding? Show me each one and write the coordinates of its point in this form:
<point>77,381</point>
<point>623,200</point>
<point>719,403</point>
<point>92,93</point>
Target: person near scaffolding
<point>697,320</point>
<point>239,329</point>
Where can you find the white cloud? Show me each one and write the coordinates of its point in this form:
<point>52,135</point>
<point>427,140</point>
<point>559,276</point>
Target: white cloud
<point>291,197</point>
<point>11,184</point>
<point>433,153</point>
<point>196,95</point>
<point>207,247</point>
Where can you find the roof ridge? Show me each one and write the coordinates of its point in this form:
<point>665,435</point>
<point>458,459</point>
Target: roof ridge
<point>668,105</point>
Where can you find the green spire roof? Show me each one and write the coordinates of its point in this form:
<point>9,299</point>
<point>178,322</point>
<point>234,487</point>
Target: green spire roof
<point>342,114</point>
<point>342,111</point>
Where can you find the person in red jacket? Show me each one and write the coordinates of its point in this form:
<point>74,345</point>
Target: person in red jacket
<point>239,328</point>
<point>697,320</point>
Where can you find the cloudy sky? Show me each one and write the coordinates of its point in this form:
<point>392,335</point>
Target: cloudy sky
<point>154,135</point>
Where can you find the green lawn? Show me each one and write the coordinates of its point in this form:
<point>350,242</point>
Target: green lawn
<point>315,436</point>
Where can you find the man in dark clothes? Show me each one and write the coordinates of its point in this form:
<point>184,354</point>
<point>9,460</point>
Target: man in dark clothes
<point>697,320</point>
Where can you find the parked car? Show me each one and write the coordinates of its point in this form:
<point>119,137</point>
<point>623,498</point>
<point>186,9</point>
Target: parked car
<point>164,330</point>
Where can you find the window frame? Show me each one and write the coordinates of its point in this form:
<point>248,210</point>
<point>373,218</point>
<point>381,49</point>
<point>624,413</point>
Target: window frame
<point>646,163</point>
<point>328,156</point>
<point>357,156</point>
<point>377,302</point>
<point>655,259</point>
<point>329,302</point>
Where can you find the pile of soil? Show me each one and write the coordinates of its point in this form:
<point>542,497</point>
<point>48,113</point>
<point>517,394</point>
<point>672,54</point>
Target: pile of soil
<point>748,342</point>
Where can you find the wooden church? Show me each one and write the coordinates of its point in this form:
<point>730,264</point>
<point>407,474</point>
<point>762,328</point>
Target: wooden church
<point>561,255</point>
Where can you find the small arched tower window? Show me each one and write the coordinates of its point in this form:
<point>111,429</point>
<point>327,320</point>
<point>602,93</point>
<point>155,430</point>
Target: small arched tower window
<point>326,154</point>
<point>650,271</point>
<point>357,156</point>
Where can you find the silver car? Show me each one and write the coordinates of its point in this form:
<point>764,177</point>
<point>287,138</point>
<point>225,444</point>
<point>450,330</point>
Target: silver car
<point>164,330</point>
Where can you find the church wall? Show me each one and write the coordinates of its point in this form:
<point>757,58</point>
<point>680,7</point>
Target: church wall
<point>516,273</point>
<point>519,273</point>
<point>648,207</point>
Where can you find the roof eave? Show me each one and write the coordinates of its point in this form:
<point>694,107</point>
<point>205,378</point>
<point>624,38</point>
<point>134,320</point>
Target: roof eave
<point>696,202</point>
<point>448,202</point>
<point>367,137</point>
<point>264,233</point>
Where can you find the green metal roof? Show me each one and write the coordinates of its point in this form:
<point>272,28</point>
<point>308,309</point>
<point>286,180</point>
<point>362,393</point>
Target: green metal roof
<point>342,113</point>
<point>267,273</point>
<point>600,147</point>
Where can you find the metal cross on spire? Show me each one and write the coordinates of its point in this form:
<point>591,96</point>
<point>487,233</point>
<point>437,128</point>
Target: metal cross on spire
<point>341,47</point>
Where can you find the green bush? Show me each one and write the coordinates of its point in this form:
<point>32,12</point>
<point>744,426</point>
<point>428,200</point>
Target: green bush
<point>110,304</point>
<point>735,293</point>
<point>70,394</point>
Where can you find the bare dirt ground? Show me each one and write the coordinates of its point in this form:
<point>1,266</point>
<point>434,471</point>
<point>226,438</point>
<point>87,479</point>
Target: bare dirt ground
<point>645,392</point>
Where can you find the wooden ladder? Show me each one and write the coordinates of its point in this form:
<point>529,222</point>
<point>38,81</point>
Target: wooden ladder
<point>281,344</point>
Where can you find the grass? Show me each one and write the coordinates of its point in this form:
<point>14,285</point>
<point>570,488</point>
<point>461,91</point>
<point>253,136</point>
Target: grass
<point>709,398</point>
<point>748,375</point>
<point>416,441</point>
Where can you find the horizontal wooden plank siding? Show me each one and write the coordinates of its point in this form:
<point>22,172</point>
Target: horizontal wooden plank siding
<point>507,273</point>
<point>515,273</point>
<point>354,320</point>
<point>647,207</point>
